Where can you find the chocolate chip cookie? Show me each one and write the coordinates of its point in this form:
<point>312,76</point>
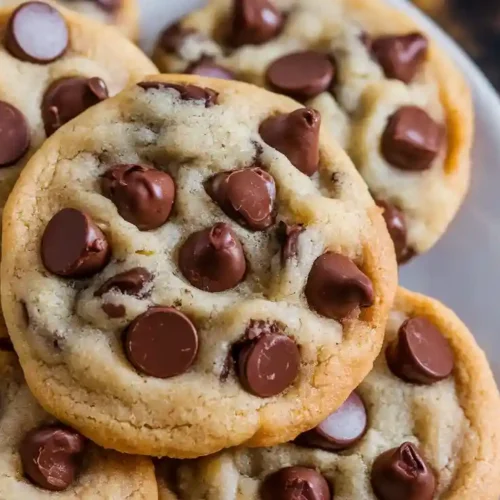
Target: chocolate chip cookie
<point>423,425</point>
<point>123,14</point>
<point>42,458</point>
<point>384,90</point>
<point>188,283</point>
<point>55,66</point>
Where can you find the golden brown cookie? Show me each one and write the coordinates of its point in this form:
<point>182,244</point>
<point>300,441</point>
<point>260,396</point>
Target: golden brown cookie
<point>422,425</point>
<point>184,286</point>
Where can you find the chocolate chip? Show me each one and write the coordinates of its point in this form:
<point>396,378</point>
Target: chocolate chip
<point>173,37</point>
<point>208,68</point>
<point>288,236</point>
<point>36,33</point>
<point>14,134</point>
<point>296,135</point>
<point>301,75</point>
<point>114,310</point>
<point>162,342</point>
<point>213,259</point>
<point>68,97</point>
<point>247,195</point>
<point>295,483</point>
<point>51,456</point>
<point>402,474</point>
<point>109,5</point>
<point>6,344</point>
<point>420,354</point>
<point>186,92</point>
<point>268,364</point>
<point>396,225</point>
<point>412,139</point>
<point>144,196</point>
<point>401,57</point>
<point>73,246</point>
<point>254,22</point>
<point>336,287</point>
<point>129,282</point>
<point>341,430</point>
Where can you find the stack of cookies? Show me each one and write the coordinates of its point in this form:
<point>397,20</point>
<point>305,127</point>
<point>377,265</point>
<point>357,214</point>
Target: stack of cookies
<point>203,271</point>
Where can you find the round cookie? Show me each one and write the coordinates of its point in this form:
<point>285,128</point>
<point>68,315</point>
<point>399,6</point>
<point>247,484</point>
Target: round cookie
<point>393,439</point>
<point>46,81</point>
<point>123,14</point>
<point>184,287</point>
<point>41,458</point>
<point>391,98</point>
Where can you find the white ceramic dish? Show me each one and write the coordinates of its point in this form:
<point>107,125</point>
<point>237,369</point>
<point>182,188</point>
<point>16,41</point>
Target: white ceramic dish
<point>463,269</point>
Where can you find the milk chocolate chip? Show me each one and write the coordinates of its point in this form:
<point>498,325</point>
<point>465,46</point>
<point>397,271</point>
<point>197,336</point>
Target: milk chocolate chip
<point>173,37</point>
<point>50,456</point>
<point>143,195</point>
<point>14,134</point>
<point>73,246</point>
<point>208,68</point>
<point>341,430</point>
<point>161,343</point>
<point>336,287</point>
<point>412,139</point>
<point>295,483</point>
<point>68,97</point>
<point>213,259</point>
<point>36,33</point>
<point>288,236</point>
<point>401,57</point>
<point>420,353</point>
<point>402,474</point>
<point>247,195</point>
<point>296,135</point>
<point>301,75</point>
<point>254,22</point>
<point>186,92</point>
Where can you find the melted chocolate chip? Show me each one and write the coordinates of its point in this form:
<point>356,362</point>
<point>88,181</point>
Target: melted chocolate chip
<point>14,134</point>
<point>296,135</point>
<point>288,236</point>
<point>336,287</point>
<point>247,195</point>
<point>173,37</point>
<point>213,259</point>
<point>129,282</point>
<point>208,68</point>
<point>401,57</point>
<point>68,97</point>
<point>341,430</point>
<point>412,139</point>
<point>402,474</point>
<point>186,92</point>
<point>144,196</point>
<point>114,310</point>
<point>73,246</point>
<point>420,354</point>
<point>36,33</point>
<point>161,343</point>
<point>301,75</point>
<point>254,22</point>
<point>6,344</point>
<point>50,456</point>
<point>295,483</point>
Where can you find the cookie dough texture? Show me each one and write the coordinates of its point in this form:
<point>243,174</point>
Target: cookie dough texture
<point>357,107</point>
<point>104,474</point>
<point>93,51</point>
<point>72,351</point>
<point>453,422</point>
<point>125,16</point>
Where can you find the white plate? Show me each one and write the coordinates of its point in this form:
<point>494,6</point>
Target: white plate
<point>463,269</point>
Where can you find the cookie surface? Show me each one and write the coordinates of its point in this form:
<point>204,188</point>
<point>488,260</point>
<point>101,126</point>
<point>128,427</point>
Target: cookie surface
<point>123,14</point>
<point>385,91</point>
<point>69,466</point>
<point>183,286</point>
<point>436,439</point>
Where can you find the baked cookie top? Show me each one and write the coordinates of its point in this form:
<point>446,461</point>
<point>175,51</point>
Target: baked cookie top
<point>123,14</point>
<point>423,425</point>
<point>179,280</point>
<point>54,66</point>
<point>41,458</point>
<point>385,91</point>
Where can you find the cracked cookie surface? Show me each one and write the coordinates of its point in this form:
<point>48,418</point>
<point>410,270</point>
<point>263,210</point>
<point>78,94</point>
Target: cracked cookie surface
<point>395,438</point>
<point>175,285</point>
